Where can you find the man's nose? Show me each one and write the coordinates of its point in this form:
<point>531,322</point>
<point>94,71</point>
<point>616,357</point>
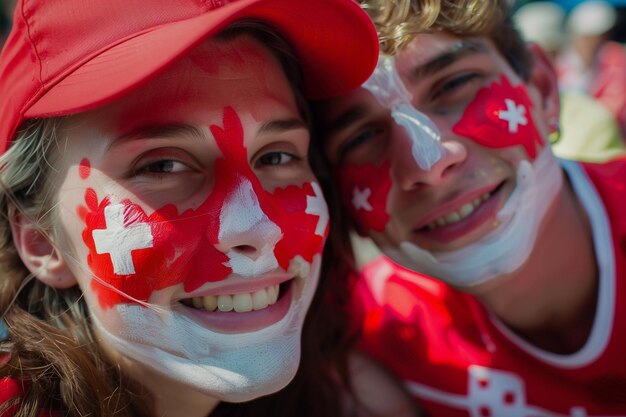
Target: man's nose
<point>410,174</point>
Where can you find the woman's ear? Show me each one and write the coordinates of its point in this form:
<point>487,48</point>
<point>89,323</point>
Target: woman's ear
<point>39,255</point>
<point>543,77</point>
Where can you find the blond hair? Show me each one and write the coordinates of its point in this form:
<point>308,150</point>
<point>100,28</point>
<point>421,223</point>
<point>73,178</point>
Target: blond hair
<point>399,21</point>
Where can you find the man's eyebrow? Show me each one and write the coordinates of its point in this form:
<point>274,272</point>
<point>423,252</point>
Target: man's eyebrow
<point>159,131</point>
<point>280,126</point>
<point>446,58</point>
<point>345,119</point>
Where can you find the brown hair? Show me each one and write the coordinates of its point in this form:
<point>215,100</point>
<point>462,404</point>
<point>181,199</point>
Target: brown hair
<point>51,349</point>
<point>398,21</point>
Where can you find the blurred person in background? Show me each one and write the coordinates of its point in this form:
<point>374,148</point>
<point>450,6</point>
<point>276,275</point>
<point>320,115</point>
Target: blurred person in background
<point>589,131</point>
<point>592,63</point>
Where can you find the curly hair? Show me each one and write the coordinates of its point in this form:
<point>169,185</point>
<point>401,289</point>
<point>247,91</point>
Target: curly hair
<point>399,21</point>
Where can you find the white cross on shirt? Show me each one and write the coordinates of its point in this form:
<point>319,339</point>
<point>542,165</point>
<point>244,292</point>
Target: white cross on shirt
<point>119,241</point>
<point>513,114</point>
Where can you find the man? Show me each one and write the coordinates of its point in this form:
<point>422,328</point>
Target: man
<point>443,159</point>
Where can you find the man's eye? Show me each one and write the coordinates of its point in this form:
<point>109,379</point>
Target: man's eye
<point>276,158</point>
<point>454,85</point>
<point>358,142</point>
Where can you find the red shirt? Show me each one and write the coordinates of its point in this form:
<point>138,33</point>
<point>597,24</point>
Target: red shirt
<point>458,360</point>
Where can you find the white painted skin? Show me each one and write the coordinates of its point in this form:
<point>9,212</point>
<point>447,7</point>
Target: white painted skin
<point>240,214</point>
<point>386,86</point>
<point>508,246</point>
<point>233,367</point>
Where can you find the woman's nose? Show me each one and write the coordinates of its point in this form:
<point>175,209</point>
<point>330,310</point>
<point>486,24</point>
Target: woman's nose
<point>247,235</point>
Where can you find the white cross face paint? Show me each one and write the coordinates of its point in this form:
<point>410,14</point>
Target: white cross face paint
<point>119,240</point>
<point>386,86</point>
<point>508,246</point>
<point>514,114</point>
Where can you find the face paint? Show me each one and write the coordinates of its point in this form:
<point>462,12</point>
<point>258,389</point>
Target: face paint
<point>138,256</point>
<point>364,191</point>
<point>386,86</point>
<point>509,245</point>
<point>233,367</point>
<point>84,168</point>
<point>500,117</point>
<point>134,254</point>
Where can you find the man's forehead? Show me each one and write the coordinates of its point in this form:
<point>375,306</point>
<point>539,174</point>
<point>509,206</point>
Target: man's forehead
<point>428,53</point>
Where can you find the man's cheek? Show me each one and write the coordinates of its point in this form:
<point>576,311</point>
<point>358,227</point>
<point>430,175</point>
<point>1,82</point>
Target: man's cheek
<point>364,193</point>
<point>500,116</point>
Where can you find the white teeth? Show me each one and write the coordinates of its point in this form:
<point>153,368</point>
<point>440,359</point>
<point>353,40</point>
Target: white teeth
<point>209,302</point>
<point>240,303</point>
<point>260,300</point>
<point>459,215</point>
<point>224,303</point>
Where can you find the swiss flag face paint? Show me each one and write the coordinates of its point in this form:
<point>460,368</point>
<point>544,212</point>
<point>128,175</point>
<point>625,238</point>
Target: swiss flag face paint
<point>364,191</point>
<point>500,117</point>
<point>134,254</point>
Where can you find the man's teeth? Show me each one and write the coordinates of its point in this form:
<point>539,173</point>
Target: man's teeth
<point>458,215</point>
<point>240,303</point>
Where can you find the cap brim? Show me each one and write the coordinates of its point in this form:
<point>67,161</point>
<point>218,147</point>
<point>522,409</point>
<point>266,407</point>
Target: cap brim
<point>328,44</point>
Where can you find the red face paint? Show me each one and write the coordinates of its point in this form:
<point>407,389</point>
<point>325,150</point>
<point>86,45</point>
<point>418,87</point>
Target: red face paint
<point>182,246</point>
<point>364,191</point>
<point>499,117</point>
<point>84,168</point>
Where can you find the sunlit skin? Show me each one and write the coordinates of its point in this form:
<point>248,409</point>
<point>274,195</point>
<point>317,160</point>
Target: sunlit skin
<point>186,159</point>
<point>446,75</point>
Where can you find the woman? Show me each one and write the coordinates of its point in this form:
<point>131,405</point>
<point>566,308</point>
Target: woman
<point>163,229</point>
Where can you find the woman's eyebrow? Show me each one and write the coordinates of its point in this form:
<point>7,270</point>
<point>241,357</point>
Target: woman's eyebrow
<point>449,56</point>
<point>280,126</point>
<point>159,131</point>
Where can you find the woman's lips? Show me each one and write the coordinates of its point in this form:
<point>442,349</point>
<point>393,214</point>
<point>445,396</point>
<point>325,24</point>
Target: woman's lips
<point>237,312</point>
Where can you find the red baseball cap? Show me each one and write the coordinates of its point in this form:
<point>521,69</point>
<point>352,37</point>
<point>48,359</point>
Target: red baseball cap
<point>69,56</point>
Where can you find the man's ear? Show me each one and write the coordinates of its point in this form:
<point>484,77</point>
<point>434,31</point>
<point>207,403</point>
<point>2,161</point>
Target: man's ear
<point>543,77</point>
<point>38,254</point>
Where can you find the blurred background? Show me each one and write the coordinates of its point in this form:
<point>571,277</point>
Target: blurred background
<point>585,40</point>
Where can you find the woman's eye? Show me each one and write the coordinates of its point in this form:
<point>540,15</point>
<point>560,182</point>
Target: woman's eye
<point>164,166</point>
<point>276,158</point>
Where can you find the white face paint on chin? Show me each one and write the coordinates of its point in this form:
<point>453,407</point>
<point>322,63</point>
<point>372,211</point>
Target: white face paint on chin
<point>231,367</point>
<point>506,248</point>
<point>386,86</point>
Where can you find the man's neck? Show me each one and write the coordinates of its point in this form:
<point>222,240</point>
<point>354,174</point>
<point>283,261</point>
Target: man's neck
<point>551,300</point>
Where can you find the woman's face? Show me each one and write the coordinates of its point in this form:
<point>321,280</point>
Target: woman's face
<point>192,222</point>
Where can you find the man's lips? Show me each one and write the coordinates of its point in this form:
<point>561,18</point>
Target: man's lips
<point>462,215</point>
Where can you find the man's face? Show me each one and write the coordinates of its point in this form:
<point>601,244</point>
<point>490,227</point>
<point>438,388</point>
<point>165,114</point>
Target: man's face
<point>427,171</point>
